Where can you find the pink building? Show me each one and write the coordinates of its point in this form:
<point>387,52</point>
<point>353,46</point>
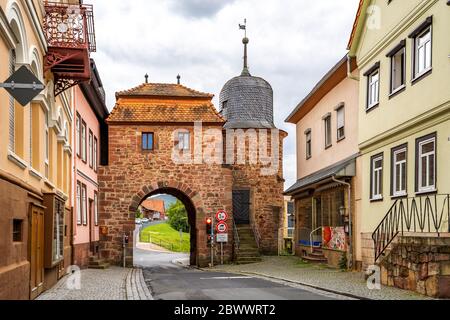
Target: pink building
<point>327,192</point>
<point>90,113</point>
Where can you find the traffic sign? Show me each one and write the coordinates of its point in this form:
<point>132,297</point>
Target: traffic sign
<point>222,238</point>
<point>222,227</point>
<point>222,215</point>
<point>23,86</point>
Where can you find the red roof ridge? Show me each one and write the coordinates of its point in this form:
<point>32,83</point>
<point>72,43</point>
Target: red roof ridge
<point>134,91</point>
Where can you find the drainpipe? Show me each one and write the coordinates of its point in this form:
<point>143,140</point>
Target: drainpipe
<point>350,222</point>
<point>349,69</point>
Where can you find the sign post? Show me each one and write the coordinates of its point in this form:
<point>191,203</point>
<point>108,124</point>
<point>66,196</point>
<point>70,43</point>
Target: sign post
<point>222,230</point>
<point>23,86</point>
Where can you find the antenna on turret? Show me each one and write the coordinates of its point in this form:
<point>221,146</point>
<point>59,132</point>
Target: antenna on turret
<point>245,41</point>
<point>146,78</point>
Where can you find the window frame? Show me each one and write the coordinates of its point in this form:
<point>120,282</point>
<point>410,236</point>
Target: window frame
<point>46,146</point>
<point>91,149</point>
<point>79,212</point>
<point>328,128</point>
<point>19,232</point>
<point>83,142</point>
<point>95,154</point>
<point>419,156</point>
<point>84,204</point>
<point>394,163</point>
<point>370,84</point>
<point>400,49</point>
<point>181,141</point>
<point>308,139</point>
<point>78,135</point>
<point>373,172</point>
<point>416,73</point>
<point>152,134</point>
<point>96,217</point>
<point>339,109</point>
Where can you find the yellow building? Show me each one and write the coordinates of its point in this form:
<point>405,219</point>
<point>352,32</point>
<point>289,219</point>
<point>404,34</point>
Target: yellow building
<point>402,50</point>
<point>35,154</point>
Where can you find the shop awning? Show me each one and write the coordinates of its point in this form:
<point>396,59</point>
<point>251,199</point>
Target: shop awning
<point>342,169</point>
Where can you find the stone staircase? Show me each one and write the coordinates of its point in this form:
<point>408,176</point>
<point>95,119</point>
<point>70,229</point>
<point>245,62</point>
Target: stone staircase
<point>96,263</point>
<point>316,256</point>
<point>248,251</point>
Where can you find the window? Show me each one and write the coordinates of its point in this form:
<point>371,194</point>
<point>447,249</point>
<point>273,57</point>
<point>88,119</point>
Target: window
<point>95,154</point>
<point>422,53</point>
<point>12,108</point>
<point>147,141</point>
<point>308,144</point>
<point>399,171</point>
<point>58,231</point>
<point>46,147</point>
<point>79,204</point>
<point>91,149</point>
<point>83,141</point>
<point>96,208</point>
<point>17,230</point>
<point>84,204</point>
<point>426,164</point>
<point>340,123</point>
<point>78,136</point>
<point>224,106</point>
<point>398,70</point>
<point>184,140</point>
<point>377,178</point>
<point>327,122</point>
<point>373,89</point>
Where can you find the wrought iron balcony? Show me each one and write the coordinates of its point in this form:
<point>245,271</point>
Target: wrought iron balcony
<point>427,214</point>
<point>69,30</point>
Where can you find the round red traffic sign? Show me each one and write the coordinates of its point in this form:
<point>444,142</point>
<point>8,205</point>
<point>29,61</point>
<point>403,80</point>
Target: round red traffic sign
<point>222,215</point>
<point>222,227</point>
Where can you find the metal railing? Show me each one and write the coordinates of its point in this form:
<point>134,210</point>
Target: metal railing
<point>427,214</point>
<point>237,241</point>
<point>255,231</point>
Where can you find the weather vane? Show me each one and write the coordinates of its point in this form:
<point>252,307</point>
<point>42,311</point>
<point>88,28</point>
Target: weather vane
<point>244,27</point>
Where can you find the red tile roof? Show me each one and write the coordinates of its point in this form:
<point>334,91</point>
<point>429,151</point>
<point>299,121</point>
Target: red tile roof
<point>154,205</point>
<point>175,112</point>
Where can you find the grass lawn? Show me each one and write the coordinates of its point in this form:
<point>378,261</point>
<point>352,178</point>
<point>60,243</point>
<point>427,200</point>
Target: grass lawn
<point>165,236</point>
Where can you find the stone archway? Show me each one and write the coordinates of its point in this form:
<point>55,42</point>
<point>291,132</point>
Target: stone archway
<point>191,200</point>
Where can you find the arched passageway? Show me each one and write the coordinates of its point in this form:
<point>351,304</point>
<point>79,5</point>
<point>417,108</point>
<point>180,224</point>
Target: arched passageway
<point>191,213</point>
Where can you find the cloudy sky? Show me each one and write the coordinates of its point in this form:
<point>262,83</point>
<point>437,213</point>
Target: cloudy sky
<point>293,43</point>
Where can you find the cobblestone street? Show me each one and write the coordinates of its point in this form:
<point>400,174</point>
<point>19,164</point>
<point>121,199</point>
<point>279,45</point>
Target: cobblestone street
<point>293,270</point>
<point>111,284</point>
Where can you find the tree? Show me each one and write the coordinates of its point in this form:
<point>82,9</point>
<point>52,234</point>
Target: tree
<point>178,218</point>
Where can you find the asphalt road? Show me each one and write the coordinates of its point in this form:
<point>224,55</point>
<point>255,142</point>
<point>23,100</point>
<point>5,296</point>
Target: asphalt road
<point>168,281</point>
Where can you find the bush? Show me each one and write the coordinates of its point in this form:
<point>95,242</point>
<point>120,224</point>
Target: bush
<point>178,218</point>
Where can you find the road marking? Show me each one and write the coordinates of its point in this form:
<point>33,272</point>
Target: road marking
<point>226,278</point>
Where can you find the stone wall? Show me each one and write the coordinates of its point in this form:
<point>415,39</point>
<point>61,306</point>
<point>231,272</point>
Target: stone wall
<point>132,175</point>
<point>419,264</point>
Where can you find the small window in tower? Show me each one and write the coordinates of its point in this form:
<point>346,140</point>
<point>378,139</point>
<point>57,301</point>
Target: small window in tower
<point>17,230</point>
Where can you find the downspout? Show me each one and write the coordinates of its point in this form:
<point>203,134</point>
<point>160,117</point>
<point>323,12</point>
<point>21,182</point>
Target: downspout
<point>350,222</point>
<point>349,69</point>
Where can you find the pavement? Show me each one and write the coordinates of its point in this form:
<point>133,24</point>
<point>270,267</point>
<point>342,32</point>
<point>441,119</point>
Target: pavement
<point>114,283</point>
<point>293,270</point>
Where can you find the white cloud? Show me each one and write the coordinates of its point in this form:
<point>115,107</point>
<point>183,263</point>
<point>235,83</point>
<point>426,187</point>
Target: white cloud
<point>293,43</point>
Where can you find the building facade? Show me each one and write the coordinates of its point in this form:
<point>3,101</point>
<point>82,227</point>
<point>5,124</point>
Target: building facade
<point>327,191</point>
<point>35,156</point>
<point>90,113</point>
<point>402,51</point>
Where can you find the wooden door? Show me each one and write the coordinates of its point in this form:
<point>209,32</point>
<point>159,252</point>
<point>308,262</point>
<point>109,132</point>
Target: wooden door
<point>241,206</point>
<point>36,252</point>
<point>91,228</point>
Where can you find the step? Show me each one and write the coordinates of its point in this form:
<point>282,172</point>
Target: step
<point>249,261</point>
<point>315,259</point>
<point>97,262</point>
<point>316,255</point>
<point>102,266</point>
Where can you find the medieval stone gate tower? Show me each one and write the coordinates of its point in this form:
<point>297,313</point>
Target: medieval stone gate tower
<point>169,139</point>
